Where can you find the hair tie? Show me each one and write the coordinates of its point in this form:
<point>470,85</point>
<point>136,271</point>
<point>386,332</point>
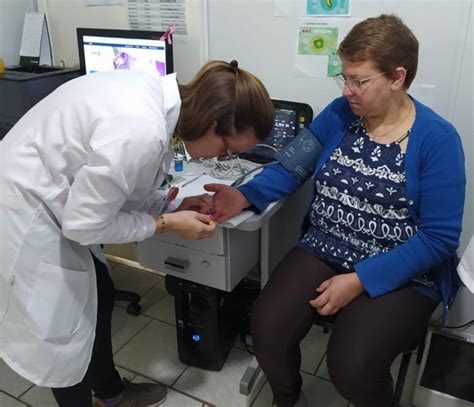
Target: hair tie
<point>234,64</point>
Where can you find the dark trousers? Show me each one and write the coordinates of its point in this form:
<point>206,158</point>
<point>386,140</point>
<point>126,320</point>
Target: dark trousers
<point>367,336</point>
<point>101,376</point>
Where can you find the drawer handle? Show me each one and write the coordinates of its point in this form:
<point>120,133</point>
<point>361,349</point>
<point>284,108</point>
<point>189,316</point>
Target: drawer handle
<point>174,264</point>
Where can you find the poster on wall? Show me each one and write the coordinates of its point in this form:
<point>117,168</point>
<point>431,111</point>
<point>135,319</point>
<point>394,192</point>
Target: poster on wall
<point>328,8</point>
<point>317,42</point>
<point>158,15</point>
<point>316,8</point>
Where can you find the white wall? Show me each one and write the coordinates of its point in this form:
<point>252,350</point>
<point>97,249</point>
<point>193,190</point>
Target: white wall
<point>65,16</point>
<point>12,15</point>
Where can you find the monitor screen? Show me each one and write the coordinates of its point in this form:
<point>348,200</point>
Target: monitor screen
<point>288,119</point>
<point>284,128</point>
<point>108,50</point>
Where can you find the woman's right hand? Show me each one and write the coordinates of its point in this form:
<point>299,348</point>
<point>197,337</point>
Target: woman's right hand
<point>186,224</point>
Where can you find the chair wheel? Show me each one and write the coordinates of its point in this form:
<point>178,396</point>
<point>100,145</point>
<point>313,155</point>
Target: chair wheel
<point>134,308</point>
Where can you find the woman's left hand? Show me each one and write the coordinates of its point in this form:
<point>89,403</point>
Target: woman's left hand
<point>336,292</point>
<point>199,203</point>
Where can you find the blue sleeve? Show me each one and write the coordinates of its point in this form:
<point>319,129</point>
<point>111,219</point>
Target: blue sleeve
<point>268,186</point>
<point>441,178</point>
<point>335,116</point>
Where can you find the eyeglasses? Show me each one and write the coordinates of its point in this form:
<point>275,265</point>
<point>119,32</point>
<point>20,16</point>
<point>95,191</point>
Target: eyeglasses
<point>354,85</point>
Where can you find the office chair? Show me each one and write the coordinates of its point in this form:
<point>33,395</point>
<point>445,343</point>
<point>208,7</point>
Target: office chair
<point>133,308</point>
<point>327,323</point>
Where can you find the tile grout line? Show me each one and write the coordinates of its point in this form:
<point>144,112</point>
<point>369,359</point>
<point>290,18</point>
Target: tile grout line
<point>133,337</point>
<point>15,398</point>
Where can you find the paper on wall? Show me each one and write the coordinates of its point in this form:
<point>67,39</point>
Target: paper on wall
<point>89,3</point>
<point>328,8</point>
<point>317,42</point>
<point>158,15</point>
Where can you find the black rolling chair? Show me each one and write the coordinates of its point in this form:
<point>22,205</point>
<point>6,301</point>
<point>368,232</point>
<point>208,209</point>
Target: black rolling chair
<point>133,308</point>
<point>327,323</point>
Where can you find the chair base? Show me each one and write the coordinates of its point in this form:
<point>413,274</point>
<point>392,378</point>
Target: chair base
<point>133,308</point>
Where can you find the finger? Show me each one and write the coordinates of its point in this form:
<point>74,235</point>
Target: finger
<point>214,187</point>
<point>205,201</point>
<point>205,219</point>
<point>328,309</point>
<point>323,286</point>
<point>220,218</point>
<point>321,301</point>
<point>172,193</point>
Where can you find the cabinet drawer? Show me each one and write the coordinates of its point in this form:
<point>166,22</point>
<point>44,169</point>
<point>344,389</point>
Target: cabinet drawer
<point>182,259</point>
<point>183,262</point>
<point>213,244</point>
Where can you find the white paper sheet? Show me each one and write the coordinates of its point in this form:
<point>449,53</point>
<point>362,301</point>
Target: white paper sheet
<point>89,3</point>
<point>158,15</point>
<point>32,33</point>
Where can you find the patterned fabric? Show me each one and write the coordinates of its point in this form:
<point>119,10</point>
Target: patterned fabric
<point>360,208</point>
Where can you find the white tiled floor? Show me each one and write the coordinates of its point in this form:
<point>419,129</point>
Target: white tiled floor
<point>145,350</point>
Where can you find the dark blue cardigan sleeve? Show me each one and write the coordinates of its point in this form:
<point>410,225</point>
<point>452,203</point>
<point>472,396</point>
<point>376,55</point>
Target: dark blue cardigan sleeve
<point>268,186</point>
<point>437,187</point>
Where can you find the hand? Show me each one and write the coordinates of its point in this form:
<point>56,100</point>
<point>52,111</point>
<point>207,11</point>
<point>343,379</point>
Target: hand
<point>227,201</point>
<point>186,224</point>
<point>336,292</point>
<point>199,203</point>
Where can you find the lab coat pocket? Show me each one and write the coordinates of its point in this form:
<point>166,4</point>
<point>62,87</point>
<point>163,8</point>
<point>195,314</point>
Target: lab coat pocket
<point>57,302</point>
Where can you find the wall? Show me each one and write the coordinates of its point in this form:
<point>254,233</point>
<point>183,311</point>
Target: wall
<point>65,16</point>
<point>12,15</point>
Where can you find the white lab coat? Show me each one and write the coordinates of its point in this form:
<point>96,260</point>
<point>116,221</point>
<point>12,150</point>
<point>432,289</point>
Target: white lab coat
<point>80,168</point>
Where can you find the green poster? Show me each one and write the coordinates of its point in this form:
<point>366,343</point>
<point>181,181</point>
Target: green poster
<point>317,40</point>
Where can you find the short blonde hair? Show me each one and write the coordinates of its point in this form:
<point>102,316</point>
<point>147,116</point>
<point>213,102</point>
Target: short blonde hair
<point>224,94</point>
<point>384,40</point>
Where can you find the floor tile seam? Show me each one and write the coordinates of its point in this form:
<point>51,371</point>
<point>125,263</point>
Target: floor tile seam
<point>15,398</point>
<point>133,337</point>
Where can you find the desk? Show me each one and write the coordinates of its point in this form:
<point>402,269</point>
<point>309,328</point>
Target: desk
<point>224,259</point>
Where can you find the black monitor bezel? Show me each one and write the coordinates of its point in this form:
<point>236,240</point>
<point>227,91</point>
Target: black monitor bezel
<point>301,110</point>
<point>103,32</point>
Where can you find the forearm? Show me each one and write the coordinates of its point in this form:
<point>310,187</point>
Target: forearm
<point>124,228</point>
<point>268,186</point>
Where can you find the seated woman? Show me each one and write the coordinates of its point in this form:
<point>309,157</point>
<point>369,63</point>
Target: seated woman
<point>378,247</point>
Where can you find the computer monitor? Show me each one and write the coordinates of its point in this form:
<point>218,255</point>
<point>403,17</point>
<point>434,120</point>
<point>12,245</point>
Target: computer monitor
<point>289,118</point>
<point>108,50</point>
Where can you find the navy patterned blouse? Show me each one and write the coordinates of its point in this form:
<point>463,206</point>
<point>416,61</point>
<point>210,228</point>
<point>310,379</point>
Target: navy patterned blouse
<point>360,208</point>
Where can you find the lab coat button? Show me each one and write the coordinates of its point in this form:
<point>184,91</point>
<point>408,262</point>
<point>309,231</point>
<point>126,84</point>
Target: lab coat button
<point>205,264</point>
<point>11,281</point>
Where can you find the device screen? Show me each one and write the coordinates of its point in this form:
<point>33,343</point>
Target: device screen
<point>284,128</point>
<point>109,53</point>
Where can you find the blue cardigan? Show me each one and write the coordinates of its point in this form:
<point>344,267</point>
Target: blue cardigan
<point>435,185</point>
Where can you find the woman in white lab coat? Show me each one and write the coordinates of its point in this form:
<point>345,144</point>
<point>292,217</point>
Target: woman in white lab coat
<point>82,168</point>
